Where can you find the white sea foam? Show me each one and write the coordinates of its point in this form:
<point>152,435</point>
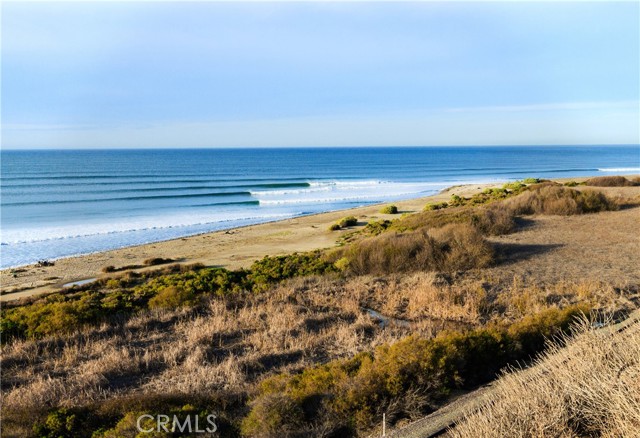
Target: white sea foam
<point>620,169</point>
<point>331,192</point>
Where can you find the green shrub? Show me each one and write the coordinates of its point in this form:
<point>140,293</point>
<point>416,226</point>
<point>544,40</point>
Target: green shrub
<point>348,221</point>
<point>173,297</point>
<point>211,281</point>
<point>59,423</point>
<point>435,206</point>
<point>389,209</point>
<point>53,314</point>
<point>271,270</point>
<point>64,312</point>
<point>570,184</point>
<point>456,200</point>
<point>516,186</point>
<point>342,264</point>
<point>377,227</point>
<point>531,180</point>
<point>108,269</point>
<point>335,227</point>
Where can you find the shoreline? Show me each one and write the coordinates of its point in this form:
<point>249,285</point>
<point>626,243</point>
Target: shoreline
<point>231,248</point>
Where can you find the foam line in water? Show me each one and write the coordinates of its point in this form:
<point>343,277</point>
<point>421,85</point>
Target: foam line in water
<point>620,169</point>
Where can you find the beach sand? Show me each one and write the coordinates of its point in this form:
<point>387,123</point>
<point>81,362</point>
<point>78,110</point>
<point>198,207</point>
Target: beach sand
<point>232,249</point>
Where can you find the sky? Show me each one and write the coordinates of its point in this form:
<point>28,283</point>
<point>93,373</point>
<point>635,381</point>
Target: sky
<point>223,74</point>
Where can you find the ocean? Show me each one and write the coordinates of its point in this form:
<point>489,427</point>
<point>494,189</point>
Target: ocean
<point>62,203</point>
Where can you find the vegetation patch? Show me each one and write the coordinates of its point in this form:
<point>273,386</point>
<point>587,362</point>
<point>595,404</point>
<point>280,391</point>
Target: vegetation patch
<point>557,200</point>
<point>611,181</point>
<point>435,206</point>
<point>348,221</point>
<point>377,227</point>
<point>61,313</point>
<point>157,261</point>
<point>491,220</point>
<point>272,270</point>
<point>402,380</point>
<point>453,247</point>
<point>389,209</point>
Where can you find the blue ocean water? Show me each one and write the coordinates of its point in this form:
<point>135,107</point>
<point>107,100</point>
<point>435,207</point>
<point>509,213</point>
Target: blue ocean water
<point>62,203</point>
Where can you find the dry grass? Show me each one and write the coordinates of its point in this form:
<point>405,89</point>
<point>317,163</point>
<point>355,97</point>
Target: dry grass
<point>232,344</point>
<point>562,201</point>
<point>585,386</point>
<point>225,347</point>
<point>450,248</point>
<point>611,181</point>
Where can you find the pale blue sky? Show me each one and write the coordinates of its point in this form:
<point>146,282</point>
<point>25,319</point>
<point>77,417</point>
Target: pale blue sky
<point>144,74</point>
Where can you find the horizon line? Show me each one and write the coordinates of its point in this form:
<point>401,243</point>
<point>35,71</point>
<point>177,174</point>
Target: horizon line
<point>13,149</point>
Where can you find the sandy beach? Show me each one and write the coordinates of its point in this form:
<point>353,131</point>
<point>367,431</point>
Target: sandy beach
<point>232,249</point>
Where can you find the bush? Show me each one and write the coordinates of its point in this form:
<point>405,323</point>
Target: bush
<point>453,247</point>
<point>377,227</point>
<point>173,297</point>
<point>464,248</point>
<point>591,201</point>
<point>335,227</point>
<point>456,200</point>
<point>494,220</point>
<point>59,423</point>
<point>272,270</point>
<point>531,180</point>
<point>157,261</point>
<point>60,313</point>
<point>571,184</point>
<point>389,209</point>
<point>108,269</point>
<point>610,181</point>
<point>273,415</point>
<point>515,186</point>
<point>556,200</point>
<point>435,206</point>
<point>348,221</point>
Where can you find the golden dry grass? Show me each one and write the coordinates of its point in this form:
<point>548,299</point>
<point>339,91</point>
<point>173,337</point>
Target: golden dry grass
<point>231,344</point>
<point>583,386</point>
